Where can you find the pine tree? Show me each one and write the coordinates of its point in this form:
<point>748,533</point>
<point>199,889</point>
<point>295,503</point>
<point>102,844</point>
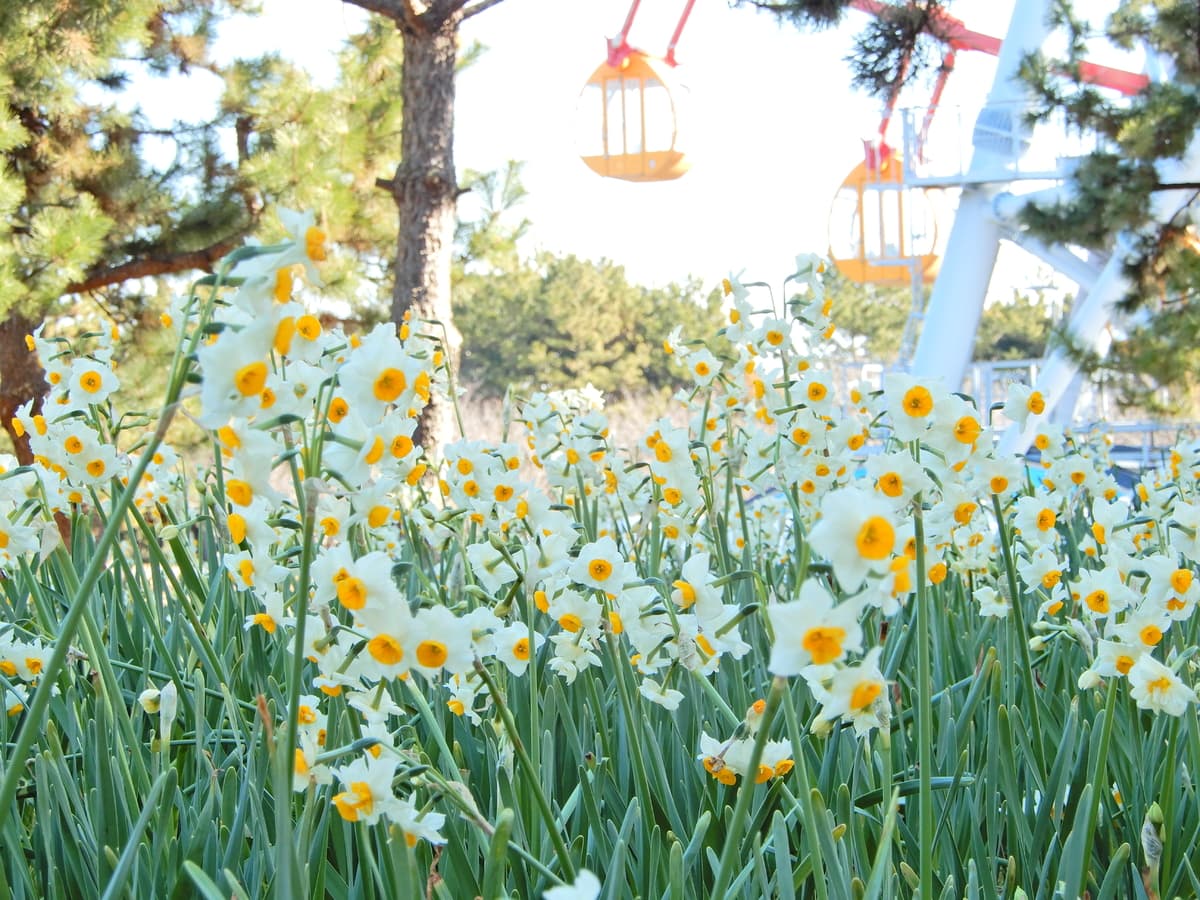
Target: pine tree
<point>83,211</point>
<point>87,214</point>
<point>1113,192</point>
<point>424,185</point>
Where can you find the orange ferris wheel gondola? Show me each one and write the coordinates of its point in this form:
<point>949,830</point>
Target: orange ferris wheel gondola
<point>629,112</point>
<point>881,232</point>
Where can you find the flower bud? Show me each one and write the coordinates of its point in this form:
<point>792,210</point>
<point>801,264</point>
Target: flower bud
<point>168,700</point>
<point>149,699</point>
<point>1151,842</point>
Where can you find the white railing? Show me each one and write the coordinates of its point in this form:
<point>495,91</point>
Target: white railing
<point>1015,152</point>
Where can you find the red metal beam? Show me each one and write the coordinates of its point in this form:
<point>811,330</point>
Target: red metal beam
<point>955,34</point>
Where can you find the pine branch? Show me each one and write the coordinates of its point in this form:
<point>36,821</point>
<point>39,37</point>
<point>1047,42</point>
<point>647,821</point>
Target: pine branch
<point>816,13</point>
<point>164,264</point>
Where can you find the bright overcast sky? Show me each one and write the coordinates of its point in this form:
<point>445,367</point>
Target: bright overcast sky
<point>773,130</point>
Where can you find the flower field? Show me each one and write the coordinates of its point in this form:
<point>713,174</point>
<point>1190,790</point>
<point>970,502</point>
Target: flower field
<point>792,642</point>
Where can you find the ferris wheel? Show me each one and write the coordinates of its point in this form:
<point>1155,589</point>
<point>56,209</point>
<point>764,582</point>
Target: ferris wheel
<point>885,225</point>
<point>888,211</point>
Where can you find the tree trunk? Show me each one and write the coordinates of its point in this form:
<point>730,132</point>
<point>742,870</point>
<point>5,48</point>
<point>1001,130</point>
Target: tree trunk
<point>21,378</point>
<point>425,189</point>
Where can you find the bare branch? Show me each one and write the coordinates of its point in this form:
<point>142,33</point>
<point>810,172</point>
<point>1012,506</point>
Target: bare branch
<point>165,264</point>
<point>396,10</point>
<point>479,7</point>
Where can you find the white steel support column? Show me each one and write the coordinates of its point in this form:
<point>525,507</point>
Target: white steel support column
<point>1088,325</point>
<point>956,304</point>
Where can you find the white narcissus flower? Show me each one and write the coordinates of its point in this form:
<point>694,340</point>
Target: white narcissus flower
<point>586,887</point>
<point>89,384</point>
<point>306,771</point>
<point>695,588</point>
<point>1144,625</point>
<point>960,431</point>
<point>777,757</point>
<point>416,825</point>
<point>668,698</point>
<point>15,699</point>
<point>309,242</point>
<point>854,693</point>
<point>856,533</point>
<point>991,602</point>
<point>898,476</point>
<point>253,570</point>
<point>514,648</point>
<point>1155,686</point>
<point>1023,401</point>
<point>1035,519</point>
<point>989,475</point>
<point>382,373</point>
<point>235,367</point>
<point>572,654</point>
<point>575,612</point>
<point>1102,592</point>
<point>364,586</point>
<point>368,783</point>
<point>1114,658</point>
<point>911,401</point>
<point>673,344</point>
<point>600,565</point>
<point>1184,531</point>
<point>1042,569</point>
<point>15,541</point>
<point>812,630</point>
<point>725,760</point>
<point>1171,587</point>
<point>703,366</point>
<point>441,642</point>
<point>490,567</point>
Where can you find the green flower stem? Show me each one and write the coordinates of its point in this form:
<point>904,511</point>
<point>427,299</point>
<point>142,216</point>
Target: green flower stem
<point>717,700</point>
<point>1098,778</point>
<point>729,852</point>
<point>452,792</point>
<point>286,860</point>
<point>811,823</point>
<point>1167,794</point>
<point>633,721</point>
<point>925,736</point>
<point>103,667</point>
<point>435,729</point>
<point>181,592</point>
<point>532,776</point>
<point>1031,692</point>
